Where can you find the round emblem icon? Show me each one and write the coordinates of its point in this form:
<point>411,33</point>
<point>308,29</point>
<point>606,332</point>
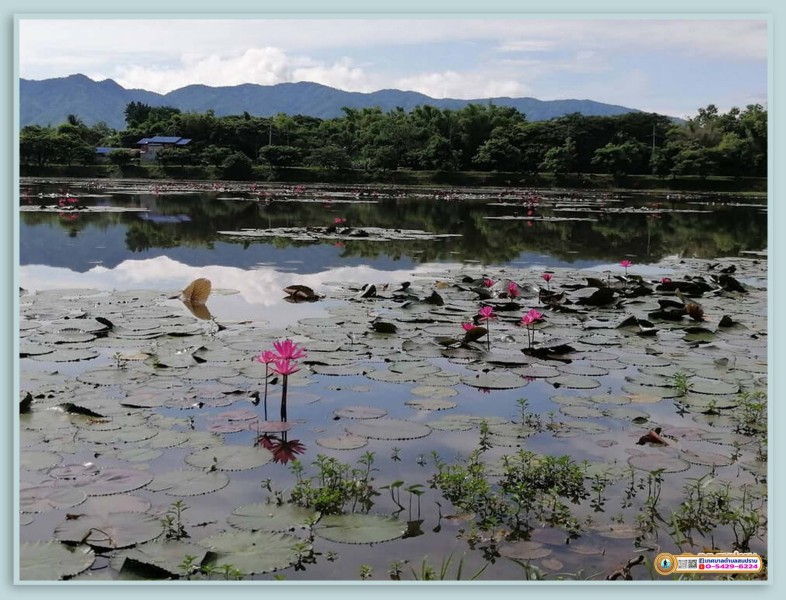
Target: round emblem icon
<point>665,563</point>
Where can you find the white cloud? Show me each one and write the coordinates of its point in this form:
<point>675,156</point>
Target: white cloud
<point>451,84</point>
<point>341,74</point>
<point>529,45</point>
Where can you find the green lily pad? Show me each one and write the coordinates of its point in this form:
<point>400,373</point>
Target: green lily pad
<point>494,380</point>
<point>339,370</point>
<point>617,531</point>
<point>525,550</point>
<point>265,516</point>
<point>167,555</point>
<point>347,441</point>
<point>643,360</point>
<point>710,459</point>
<point>118,530</point>
<point>581,412</point>
<point>434,391</point>
<point>113,481</point>
<point>359,528</point>
<point>360,412</point>
<point>66,355</point>
<point>139,454</point>
<point>45,497</point>
<point>430,404</point>
<point>230,458</point>
<point>189,483</point>
<point>32,460</point>
<point>585,370</point>
<point>575,382</point>
<point>655,461</point>
<point>253,552</point>
<point>52,560</point>
<point>700,385</point>
<point>389,429</point>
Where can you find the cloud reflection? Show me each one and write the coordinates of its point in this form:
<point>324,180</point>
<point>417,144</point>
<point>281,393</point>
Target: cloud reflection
<point>263,285</point>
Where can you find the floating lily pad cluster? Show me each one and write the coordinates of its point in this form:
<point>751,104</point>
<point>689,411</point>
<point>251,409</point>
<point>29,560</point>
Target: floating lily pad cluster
<point>126,377</point>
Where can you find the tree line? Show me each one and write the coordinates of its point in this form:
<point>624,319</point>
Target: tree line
<point>478,137</point>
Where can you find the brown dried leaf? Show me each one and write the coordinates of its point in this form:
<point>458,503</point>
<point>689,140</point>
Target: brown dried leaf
<point>200,311</point>
<point>197,291</point>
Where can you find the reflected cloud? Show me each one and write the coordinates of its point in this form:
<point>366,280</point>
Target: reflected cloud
<point>261,286</point>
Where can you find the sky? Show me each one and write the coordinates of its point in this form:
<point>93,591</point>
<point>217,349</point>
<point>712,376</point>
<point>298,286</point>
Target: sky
<point>670,66</point>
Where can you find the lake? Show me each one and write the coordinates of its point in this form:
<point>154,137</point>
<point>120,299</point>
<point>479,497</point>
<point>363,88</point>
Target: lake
<point>151,420</point>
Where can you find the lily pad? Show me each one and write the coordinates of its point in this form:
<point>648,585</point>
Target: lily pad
<point>167,555</point>
<point>254,552</point>
<point>494,380</point>
<point>343,442</point>
<point>113,481</point>
<point>32,460</point>
<point>389,429</point>
<point>188,482</point>
<point>434,391</point>
<point>47,496</point>
<point>360,412</point>
<point>230,458</point>
<point>575,382</point>
<point>47,561</point>
<point>700,385</point>
<point>358,528</point>
<point>118,530</point>
<point>525,550</point>
<point>654,462</point>
<point>430,404</point>
<point>265,516</point>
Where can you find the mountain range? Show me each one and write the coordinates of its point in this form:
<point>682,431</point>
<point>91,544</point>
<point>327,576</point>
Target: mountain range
<point>50,101</point>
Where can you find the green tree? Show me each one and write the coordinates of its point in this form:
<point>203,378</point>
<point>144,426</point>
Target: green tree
<point>561,159</point>
<point>237,166</point>
<point>498,153</point>
<point>330,156</point>
<point>38,145</point>
<point>122,157</point>
<point>619,159</point>
<point>281,156</point>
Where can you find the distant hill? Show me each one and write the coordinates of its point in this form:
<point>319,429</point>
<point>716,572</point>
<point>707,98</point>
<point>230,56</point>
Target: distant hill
<point>50,101</point>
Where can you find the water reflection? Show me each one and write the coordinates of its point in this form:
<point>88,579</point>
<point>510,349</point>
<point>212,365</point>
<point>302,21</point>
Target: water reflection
<point>563,229</point>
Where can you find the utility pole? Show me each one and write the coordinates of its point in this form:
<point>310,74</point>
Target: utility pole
<point>652,154</point>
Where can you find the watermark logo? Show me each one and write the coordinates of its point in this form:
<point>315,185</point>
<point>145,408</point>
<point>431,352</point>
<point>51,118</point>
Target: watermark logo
<point>733,562</point>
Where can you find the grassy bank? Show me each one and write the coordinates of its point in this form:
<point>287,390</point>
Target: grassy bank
<point>409,177</point>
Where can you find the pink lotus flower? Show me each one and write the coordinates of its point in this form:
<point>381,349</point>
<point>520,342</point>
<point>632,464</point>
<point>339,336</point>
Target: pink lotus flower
<point>547,278</point>
<point>626,263</point>
<point>468,326</point>
<point>531,317</point>
<point>486,313</point>
<point>267,357</point>
<point>285,366</point>
<point>488,282</point>
<point>339,220</point>
<point>513,289</point>
<point>527,320</point>
<point>287,350</point>
<point>665,280</point>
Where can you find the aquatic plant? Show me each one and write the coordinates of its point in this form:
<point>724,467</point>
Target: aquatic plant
<point>486,313</point>
<point>532,316</point>
<point>266,358</point>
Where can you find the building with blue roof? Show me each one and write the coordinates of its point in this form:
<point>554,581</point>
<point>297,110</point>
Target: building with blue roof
<point>149,146</point>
